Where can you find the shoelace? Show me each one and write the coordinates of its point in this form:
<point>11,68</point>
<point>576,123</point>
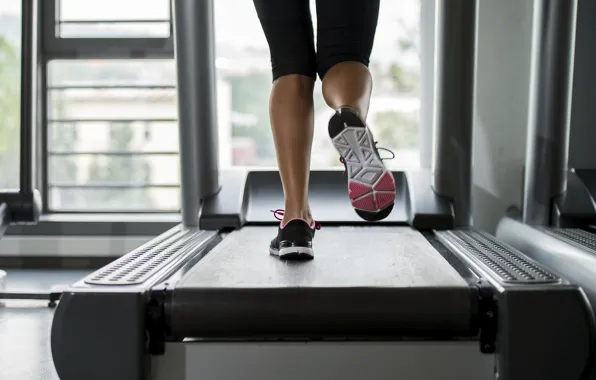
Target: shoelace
<point>279,214</point>
<point>341,159</point>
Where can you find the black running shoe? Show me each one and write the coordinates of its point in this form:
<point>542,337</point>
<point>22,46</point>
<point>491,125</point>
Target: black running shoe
<point>370,184</point>
<point>294,239</point>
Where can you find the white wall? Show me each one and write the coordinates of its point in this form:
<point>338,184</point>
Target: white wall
<point>504,51</point>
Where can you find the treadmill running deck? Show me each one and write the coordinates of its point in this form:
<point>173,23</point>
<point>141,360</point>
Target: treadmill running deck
<point>344,257</point>
<point>362,280</point>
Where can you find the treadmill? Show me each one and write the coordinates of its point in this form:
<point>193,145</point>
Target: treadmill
<point>556,223</point>
<point>420,295</point>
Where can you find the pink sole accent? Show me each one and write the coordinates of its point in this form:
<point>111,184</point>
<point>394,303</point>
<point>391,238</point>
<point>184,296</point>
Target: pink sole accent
<point>374,199</point>
<point>357,189</point>
<point>386,183</point>
<point>384,199</point>
<point>367,202</point>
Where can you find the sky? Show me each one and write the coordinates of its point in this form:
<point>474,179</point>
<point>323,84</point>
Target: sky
<point>236,20</point>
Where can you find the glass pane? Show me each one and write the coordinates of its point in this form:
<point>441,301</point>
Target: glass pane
<point>150,137</point>
<point>101,182</point>
<point>100,170</point>
<point>115,30</point>
<point>114,200</point>
<point>112,104</point>
<point>91,10</point>
<point>92,73</point>
<point>114,18</point>
<point>110,148</point>
<point>244,82</point>
<point>10,88</point>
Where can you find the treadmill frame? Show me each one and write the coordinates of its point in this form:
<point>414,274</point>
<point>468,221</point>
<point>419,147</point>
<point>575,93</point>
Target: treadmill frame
<point>121,313</point>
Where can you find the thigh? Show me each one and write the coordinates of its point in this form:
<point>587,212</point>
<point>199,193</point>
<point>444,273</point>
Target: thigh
<point>287,25</point>
<point>345,31</point>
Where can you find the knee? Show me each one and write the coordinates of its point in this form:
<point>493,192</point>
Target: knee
<point>294,84</point>
<point>327,62</point>
<point>283,65</point>
<point>349,66</point>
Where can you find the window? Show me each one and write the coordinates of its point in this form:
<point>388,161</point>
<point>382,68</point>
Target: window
<point>112,137</point>
<point>244,82</point>
<point>10,45</point>
<point>99,114</point>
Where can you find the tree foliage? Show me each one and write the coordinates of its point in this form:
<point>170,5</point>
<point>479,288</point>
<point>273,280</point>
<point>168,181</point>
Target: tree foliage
<point>397,130</point>
<point>9,114</point>
<point>120,170</point>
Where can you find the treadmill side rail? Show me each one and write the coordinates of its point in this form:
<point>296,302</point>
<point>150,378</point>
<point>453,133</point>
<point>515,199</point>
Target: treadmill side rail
<point>427,209</point>
<point>226,209</point>
<point>545,326</point>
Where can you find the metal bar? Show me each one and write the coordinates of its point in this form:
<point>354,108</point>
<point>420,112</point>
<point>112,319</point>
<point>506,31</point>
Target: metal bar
<point>74,48</point>
<point>139,21</point>
<point>147,215</point>
<point>113,87</point>
<point>195,59</point>
<point>28,84</point>
<point>116,186</point>
<point>4,218</point>
<point>116,154</point>
<point>455,69</point>
<point>42,127</point>
<point>111,120</point>
<point>24,296</point>
<point>550,107</point>
<point>51,297</point>
<point>427,64</point>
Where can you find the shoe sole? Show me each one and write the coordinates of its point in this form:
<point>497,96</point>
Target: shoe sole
<point>371,185</point>
<point>293,253</point>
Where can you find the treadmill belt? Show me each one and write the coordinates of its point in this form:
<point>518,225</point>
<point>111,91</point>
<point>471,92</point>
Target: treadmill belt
<point>344,256</point>
<point>363,279</point>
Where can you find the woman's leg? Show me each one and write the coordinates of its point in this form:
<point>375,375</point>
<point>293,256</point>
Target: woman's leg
<point>292,122</point>
<point>288,27</point>
<point>346,32</point>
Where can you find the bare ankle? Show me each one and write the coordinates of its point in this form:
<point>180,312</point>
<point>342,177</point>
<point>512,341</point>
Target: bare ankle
<point>300,213</point>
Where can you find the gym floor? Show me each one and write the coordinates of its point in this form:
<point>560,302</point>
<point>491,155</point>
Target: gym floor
<point>25,325</point>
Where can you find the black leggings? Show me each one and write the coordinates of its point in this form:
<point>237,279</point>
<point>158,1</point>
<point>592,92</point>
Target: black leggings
<point>345,32</point>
